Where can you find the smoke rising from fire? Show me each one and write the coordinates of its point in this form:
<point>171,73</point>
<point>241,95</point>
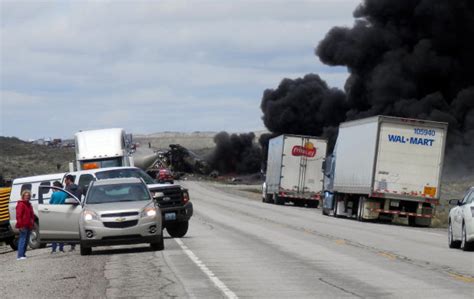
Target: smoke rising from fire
<point>236,153</point>
<point>407,58</point>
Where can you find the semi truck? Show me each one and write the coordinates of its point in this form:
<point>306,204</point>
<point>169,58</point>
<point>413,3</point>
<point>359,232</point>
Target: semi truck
<point>294,170</point>
<point>102,148</point>
<point>386,167</point>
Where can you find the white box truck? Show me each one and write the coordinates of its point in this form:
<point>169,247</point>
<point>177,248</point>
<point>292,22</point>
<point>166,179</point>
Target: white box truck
<point>294,170</point>
<point>386,166</point>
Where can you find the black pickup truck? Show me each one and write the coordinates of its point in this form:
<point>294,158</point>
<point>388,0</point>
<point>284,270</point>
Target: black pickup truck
<point>175,206</point>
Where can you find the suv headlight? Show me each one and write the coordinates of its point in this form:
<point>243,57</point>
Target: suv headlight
<point>90,215</point>
<point>149,212</point>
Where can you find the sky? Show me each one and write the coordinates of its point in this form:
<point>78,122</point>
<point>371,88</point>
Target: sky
<point>153,66</point>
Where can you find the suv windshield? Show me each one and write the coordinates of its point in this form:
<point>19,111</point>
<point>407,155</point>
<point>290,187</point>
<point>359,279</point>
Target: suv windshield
<point>125,173</point>
<point>117,193</point>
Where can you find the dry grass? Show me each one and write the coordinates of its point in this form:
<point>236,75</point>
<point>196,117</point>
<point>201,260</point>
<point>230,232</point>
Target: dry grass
<point>19,158</point>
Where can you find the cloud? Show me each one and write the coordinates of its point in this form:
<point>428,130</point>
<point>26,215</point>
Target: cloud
<point>180,59</point>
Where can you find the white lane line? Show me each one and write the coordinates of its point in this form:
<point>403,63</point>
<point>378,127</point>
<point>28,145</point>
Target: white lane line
<point>217,282</point>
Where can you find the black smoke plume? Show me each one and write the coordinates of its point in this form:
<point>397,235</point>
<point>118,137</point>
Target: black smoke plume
<point>407,58</point>
<point>236,153</point>
<point>304,106</point>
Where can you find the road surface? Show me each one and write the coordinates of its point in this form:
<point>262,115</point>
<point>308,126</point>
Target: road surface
<point>241,247</point>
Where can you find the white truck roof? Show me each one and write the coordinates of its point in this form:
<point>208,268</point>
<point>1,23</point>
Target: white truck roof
<point>39,178</point>
<point>104,143</point>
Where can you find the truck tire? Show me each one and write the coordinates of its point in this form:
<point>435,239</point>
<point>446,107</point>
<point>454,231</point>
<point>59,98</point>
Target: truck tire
<point>159,245</point>
<point>85,250</point>
<point>412,221</point>
<point>268,198</point>
<point>312,204</point>
<point>451,242</point>
<point>335,208</point>
<point>299,203</point>
<point>360,209</point>
<point>13,243</point>
<point>278,200</point>
<point>178,229</point>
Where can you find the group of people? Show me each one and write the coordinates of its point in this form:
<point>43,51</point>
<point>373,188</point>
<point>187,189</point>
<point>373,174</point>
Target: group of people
<point>25,218</point>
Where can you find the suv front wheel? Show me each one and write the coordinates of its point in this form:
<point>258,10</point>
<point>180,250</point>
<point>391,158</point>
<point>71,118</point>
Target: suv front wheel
<point>159,245</point>
<point>85,250</point>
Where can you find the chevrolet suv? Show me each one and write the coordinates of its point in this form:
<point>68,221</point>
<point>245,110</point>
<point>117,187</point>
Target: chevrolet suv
<point>114,212</point>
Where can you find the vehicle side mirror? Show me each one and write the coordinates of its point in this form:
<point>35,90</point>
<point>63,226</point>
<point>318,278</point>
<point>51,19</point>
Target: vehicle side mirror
<point>454,202</point>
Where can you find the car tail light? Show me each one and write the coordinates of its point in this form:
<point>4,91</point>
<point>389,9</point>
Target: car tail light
<point>185,196</point>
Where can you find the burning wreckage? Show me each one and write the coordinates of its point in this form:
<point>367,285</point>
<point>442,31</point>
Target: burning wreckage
<point>178,159</point>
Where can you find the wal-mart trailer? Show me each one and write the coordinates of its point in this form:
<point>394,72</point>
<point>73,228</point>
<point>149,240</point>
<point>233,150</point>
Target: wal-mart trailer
<point>386,167</point>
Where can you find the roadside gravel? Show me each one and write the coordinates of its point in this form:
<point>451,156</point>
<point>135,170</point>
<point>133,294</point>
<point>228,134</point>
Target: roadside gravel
<point>46,275</point>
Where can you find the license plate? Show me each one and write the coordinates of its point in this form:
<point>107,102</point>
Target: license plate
<point>170,216</point>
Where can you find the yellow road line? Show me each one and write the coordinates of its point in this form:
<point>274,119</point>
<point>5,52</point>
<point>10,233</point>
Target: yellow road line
<point>468,279</point>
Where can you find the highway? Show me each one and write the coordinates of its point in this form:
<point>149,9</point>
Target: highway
<point>238,246</point>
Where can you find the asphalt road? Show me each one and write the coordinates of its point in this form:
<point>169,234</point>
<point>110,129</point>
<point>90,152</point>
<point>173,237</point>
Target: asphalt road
<point>240,247</point>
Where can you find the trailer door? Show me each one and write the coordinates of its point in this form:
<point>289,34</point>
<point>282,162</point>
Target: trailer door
<point>409,159</point>
<point>302,164</point>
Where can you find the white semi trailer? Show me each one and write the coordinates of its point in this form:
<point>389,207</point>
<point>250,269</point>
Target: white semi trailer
<point>294,170</point>
<point>386,167</point>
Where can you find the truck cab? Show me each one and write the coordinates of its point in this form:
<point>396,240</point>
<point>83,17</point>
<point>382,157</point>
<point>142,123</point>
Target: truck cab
<point>102,148</point>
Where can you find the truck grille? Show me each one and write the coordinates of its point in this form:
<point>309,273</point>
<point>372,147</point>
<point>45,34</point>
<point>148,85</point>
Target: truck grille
<point>173,197</point>
<point>123,224</point>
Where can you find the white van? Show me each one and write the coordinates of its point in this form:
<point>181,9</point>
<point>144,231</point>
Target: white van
<point>31,183</point>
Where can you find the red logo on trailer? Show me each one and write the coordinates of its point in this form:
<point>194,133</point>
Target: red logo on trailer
<point>308,150</point>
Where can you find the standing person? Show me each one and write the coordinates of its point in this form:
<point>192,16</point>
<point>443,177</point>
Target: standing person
<point>71,187</point>
<point>74,190</point>
<point>58,198</point>
<point>25,221</point>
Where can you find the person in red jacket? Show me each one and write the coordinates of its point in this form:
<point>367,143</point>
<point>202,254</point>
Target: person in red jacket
<point>25,221</point>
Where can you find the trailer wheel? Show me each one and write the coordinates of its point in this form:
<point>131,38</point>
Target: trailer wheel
<point>278,200</point>
<point>268,198</point>
<point>412,221</point>
<point>360,209</point>
<point>313,204</point>
<point>335,208</point>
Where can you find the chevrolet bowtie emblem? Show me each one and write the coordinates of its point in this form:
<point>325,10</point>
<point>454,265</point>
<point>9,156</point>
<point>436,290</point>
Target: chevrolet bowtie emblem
<point>121,219</point>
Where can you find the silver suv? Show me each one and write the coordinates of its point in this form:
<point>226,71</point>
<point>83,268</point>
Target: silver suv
<point>114,212</point>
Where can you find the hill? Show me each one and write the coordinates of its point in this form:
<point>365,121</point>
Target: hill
<point>19,158</point>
